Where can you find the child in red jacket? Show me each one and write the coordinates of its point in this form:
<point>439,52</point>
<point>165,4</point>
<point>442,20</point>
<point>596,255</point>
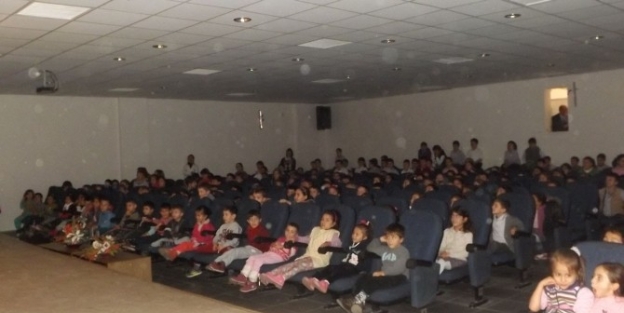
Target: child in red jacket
<point>199,242</point>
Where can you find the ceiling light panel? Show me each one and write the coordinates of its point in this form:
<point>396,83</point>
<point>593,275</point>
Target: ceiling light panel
<point>28,22</point>
<point>55,11</point>
<point>202,71</point>
<point>453,60</point>
<point>325,43</point>
<point>123,89</point>
<point>327,81</point>
<point>530,2</point>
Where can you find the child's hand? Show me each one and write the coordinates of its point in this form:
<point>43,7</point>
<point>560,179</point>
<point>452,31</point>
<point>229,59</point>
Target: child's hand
<point>513,230</point>
<point>378,274</point>
<point>382,238</point>
<point>547,281</point>
<point>325,244</point>
<point>444,255</point>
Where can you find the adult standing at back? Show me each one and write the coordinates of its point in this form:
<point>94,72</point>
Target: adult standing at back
<point>475,154</point>
<point>532,154</point>
<point>288,163</point>
<point>457,155</point>
<point>190,167</point>
<point>559,122</point>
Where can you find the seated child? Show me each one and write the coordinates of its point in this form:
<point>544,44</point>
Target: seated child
<point>198,242</point>
<point>220,243</point>
<point>173,234</point>
<point>320,236</point>
<point>248,277</point>
<point>393,271</point>
<point>504,226</point>
<point>453,252</point>
<point>563,291</point>
<point>104,217</point>
<point>607,285</point>
<point>155,232</point>
<point>255,229</point>
<point>351,265</point>
<point>128,223</point>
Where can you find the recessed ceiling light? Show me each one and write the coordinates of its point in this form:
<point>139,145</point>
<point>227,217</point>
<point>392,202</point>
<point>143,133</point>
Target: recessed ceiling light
<point>201,71</point>
<point>484,55</point>
<point>252,69</point>
<point>453,60</point>
<point>513,15</point>
<point>388,41</point>
<point>240,94</point>
<point>123,89</point>
<point>324,43</point>
<point>119,59</point>
<point>298,59</point>
<point>599,37</point>
<point>159,46</point>
<point>56,11</point>
<point>530,2</point>
<point>242,19</point>
<point>327,81</point>
<point>396,69</point>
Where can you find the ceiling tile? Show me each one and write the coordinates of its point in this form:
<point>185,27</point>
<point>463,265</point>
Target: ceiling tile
<point>466,24</point>
<point>140,6</point>
<point>80,3</point>
<point>324,31</point>
<point>280,8</point>
<point>562,6</point>
<point>11,6</point>
<point>291,39</point>
<point>364,6</point>
<point>55,47</point>
<point>261,47</point>
<point>194,12</point>
<point>222,44</point>
<point>43,53</point>
<point>20,33</point>
<point>285,26</point>
<point>395,28</point>
<point>485,7</point>
<point>537,22</point>
<point>88,28</point>
<point>492,30</point>
<point>404,11</point>
<point>445,3</point>
<point>256,19</point>
<point>138,33</point>
<point>612,22</point>
<point>361,22</point>
<point>323,15</point>
<point>7,45</point>
<point>59,65</point>
<point>111,17</point>
<point>319,2</point>
<point>28,22</point>
<point>115,42</point>
<point>225,3</point>
<point>357,36</point>
<point>590,12</point>
<point>437,18</point>
<point>182,38</point>
<point>164,23</point>
<point>253,35</point>
<point>211,29</point>
<point>426,33</point>
<point>525,12</point>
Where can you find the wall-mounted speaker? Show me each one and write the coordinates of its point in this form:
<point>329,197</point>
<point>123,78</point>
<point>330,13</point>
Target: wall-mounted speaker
<point>323,117</point>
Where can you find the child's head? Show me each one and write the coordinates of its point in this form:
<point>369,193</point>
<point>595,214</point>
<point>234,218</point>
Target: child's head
<point>613,234</point>
<point>50,200</point>
<point>105,204</point>
<point>229,214</point>
<point>566,268</point>
<point>203,190</point>
<point>302,194</point>
<point>500,207</point>
<point>362,191</point>
<point>329,219</point>
<point>460,219</point>
<point>165,210</point>
<point>254,218</point>
<point>148,208</point>
<point>608,280</point>
<point>131,206</point>
<point>202,214</point>
<point>88,204</point>
<point>394,235</point>
<point>259,194</point>
<point>291,231</point>
<point>360,232</point>
<point>415,196</point>
<point>29,194</point>
<point>314,191</point>
<point>177,212</point>
<point>539,199</point>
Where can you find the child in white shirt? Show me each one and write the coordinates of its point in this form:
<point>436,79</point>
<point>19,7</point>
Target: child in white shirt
<point>453,247</point>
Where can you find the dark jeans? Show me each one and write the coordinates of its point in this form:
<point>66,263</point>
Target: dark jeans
<point>333,273</point>
<point>369,284</point>
<point>497,247</point>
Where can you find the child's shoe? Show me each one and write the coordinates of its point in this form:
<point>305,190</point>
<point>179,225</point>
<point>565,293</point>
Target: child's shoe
<point>218,267</point>
<point>359,302</point>
<point>195,271</point>
<point>268,278</point>
<point>309,282</point>
<point>346,303</point>
<point>249,287</point>
<point>239,279</point>
<point>321,285</point>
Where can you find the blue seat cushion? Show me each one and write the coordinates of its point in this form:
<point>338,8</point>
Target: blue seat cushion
<point>454,274</point>
<point>502,258</point>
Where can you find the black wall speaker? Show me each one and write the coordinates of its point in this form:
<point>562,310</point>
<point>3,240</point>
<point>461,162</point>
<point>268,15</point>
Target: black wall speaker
<point>323,117</point>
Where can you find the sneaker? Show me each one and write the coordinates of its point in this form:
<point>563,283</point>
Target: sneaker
<point>346,303</point>
<point>321,285</point>
<point>357,308</point>
<point>218,267</point>
<point>309,282</point>
<point>193,273</point>
<point>249,287</point>
<point>239,279</point>
<point>276,280</point>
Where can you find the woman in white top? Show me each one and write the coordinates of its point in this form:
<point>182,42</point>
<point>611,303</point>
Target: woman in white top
<point>511,156</point>
<point>453,247</point>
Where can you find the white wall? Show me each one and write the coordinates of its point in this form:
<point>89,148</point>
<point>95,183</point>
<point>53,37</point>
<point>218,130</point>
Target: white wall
<point>45,140</point>
<point>492,113</point>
